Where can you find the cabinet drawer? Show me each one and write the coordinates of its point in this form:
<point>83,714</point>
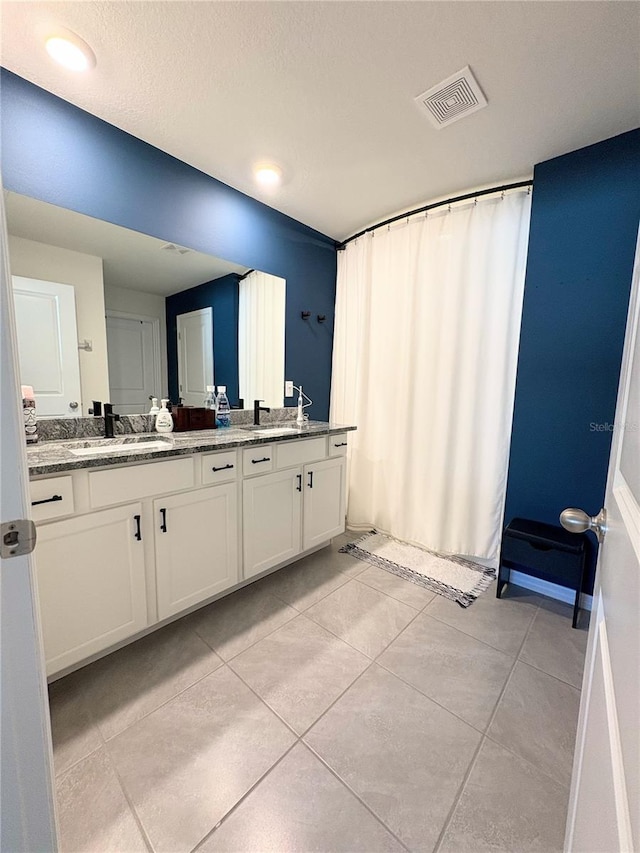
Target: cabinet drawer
<point>118,485</point>
<point>290,453</point>
<point>219,467</point>
<point>257,460</point>
<point>338,444</point>
<point>51,498</point>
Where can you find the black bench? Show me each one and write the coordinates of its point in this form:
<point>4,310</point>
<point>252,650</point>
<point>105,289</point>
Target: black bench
<point>546,551</point>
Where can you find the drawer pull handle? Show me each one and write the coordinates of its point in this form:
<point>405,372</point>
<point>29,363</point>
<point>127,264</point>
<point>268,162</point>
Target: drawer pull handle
<point>163,525</point>
<point>47,500</point>
<point>222,468</point>
<point>138,533</point>
<point>310,479</point>
<point>299,486</point>
<point>264,459</point>
<point>342,444</point>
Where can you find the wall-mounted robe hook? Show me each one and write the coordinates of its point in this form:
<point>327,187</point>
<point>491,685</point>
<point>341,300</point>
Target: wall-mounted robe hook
<point>305,314</point>
<point>321,318</point>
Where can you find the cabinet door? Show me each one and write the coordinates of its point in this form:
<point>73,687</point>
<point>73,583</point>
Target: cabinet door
<point>324,501</point>
<point>272,507</point>
<point>196,546</point>
<point>91,583</point>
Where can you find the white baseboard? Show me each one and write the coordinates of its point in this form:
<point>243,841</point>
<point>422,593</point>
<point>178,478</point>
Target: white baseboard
<point>551,590</point>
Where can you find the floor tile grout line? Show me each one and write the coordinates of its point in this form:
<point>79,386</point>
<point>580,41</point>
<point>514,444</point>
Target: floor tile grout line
<point>247,793</point>
<point>463,785</point>
<point>477,639</point>
<point>362,802</point>
<point>358,578</point>
<point>347,579</point>
<point>388,594</point>
<point>430,698</point>
<point>527,761</point>
<point>166,702</point>
<point>63,773</point>
<point>550,674</point>
<point>355,648</point>
<point>264,702</point>
<point>255,642</point>
<point>132,808</point>
<point>473,636</point>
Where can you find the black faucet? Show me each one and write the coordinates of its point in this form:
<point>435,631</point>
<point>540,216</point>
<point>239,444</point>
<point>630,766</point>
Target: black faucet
<point>96,409</point>
<point>257,408</point>
<point>110,418</point>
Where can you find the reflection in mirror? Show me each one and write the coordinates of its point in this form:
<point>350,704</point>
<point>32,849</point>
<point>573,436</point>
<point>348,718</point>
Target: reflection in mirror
<point>134,294</point>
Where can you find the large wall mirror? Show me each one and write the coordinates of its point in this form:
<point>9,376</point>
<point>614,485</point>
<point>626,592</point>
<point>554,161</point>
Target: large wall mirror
<point>106,313</point>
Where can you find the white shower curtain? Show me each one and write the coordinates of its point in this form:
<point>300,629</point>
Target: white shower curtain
<point>424,363</point>
<point>261,338</point>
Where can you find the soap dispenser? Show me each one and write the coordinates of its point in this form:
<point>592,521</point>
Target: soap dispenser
<point>164,421</point>
<point>154,406</point>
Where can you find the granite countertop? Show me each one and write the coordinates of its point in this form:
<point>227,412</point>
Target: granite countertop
<point>51,457</point>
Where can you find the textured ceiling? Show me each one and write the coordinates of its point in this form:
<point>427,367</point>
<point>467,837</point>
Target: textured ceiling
<point>326,89</point>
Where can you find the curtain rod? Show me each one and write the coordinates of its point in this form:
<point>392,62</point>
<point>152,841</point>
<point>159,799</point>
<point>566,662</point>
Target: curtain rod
<point>426,207</point>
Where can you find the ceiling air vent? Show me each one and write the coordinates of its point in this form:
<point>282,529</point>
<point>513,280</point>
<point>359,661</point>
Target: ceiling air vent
<point>179,250</point>
<point>456,97</point>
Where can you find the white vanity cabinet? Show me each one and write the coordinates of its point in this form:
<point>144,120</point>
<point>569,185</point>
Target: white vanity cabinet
<point>91,583</point>
<point>196,536</point>
<point>272,509</point>
<point>122,548</point>
<point>324,501</point>
<point>294,509</point>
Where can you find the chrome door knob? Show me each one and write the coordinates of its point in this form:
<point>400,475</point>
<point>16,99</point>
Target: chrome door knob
<point>73,405</point>
<point>577,521</point>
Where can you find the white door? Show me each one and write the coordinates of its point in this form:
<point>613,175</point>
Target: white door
<point>271,519</point>
<point>26,779</point>
<point>134,369</point>
<point>48,344</point>
<point>604,808</point>
<point>324,501</point>
<point>196,546</point>
<point>195,355</point>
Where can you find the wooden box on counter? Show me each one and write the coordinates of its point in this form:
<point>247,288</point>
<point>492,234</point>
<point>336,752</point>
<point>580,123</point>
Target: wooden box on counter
<point>186,418</point>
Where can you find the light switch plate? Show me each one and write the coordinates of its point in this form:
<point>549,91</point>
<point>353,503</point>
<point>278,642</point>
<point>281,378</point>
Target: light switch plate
<point>288,388</point>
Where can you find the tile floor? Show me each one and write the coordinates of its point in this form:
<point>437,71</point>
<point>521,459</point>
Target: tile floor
<point>329,707</point>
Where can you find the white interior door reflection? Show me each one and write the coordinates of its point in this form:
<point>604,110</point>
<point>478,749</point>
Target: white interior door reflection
<point>133,347</point>
<point>48,344</point>
<point>195,355</point>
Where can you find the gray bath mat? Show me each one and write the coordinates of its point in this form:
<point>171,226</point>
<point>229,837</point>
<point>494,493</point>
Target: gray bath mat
<point>453,577</point>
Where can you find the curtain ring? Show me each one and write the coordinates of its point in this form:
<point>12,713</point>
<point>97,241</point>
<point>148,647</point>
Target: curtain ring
<point>502,196</point>
<point>449,209</point>
<point>475,201</point>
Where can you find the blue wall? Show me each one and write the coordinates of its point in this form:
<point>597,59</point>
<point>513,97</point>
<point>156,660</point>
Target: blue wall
<point>584,225</point>
<point>58,153</point>
<point>222,296</point>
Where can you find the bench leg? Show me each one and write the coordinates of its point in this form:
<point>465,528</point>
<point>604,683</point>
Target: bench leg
<point>502,580</point>
<point>576,609</point>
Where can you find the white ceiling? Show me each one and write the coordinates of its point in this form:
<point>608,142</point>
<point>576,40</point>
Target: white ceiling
<point>129,259</point>
<point>326,89</point>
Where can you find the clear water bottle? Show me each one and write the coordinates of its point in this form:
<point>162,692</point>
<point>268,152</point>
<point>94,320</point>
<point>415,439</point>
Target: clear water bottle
<point>224,409</point>
<point>210,399</point>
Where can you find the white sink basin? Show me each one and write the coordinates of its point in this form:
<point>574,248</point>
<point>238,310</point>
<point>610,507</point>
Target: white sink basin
<point>101,449</point>
<point>275,431</point>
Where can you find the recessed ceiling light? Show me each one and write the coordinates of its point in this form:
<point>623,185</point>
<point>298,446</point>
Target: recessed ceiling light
<point>71,51</point>
<point>268,175</point>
